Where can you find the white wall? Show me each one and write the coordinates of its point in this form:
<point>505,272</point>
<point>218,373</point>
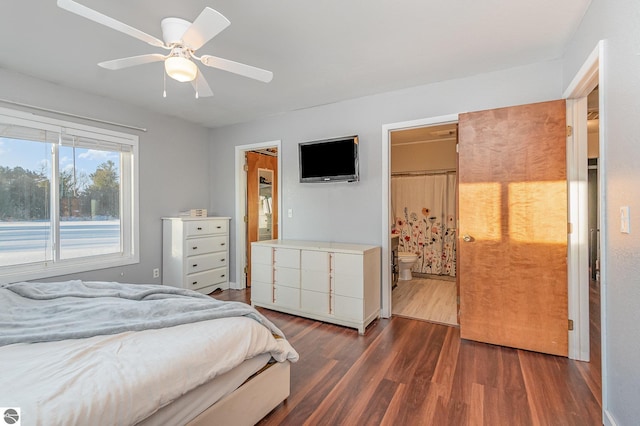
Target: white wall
<point>173,163</point>
<point>351,212</point>
<point>617,22</point>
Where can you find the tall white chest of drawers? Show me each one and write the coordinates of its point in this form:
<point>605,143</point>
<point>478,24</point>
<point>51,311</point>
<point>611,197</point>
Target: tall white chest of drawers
<point>195,253</point>
<point>333,282</point>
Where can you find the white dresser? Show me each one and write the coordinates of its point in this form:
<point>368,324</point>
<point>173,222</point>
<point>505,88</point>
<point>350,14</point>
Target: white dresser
<point>333,282</point>
<point>195,253</point>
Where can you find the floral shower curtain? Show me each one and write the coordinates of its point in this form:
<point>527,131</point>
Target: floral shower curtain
<point>424,210</point>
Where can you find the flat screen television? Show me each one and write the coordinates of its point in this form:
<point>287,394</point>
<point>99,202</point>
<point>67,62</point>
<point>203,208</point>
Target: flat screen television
<point>329,160</point>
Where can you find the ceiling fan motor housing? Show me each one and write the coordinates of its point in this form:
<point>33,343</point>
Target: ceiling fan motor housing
<point>173,29</point>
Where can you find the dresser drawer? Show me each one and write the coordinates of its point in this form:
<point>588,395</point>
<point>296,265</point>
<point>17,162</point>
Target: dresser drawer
<point>288,258</point>
<point>196,246</point>
<point>207,278</point>
<point>206,261</point>
<point>261,254</point>
<point>348,307</point>
<point>287,277</point>
<point>286,296</point>
<point>315,280</point>
<point>314,261</point>
<point>315,302</point>
<point>348,269</point>
<point>205,227</point>
<point>261,292</point>
<point>262,273</point>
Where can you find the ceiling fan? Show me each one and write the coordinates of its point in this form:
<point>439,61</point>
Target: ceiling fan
<point>182,38</point>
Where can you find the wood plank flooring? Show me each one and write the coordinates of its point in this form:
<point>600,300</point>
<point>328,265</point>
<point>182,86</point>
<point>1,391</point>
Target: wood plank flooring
<point>426,299</point>
<point>408,372</point>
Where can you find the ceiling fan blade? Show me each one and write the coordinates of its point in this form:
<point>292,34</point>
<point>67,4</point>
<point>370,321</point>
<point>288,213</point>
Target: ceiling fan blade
<point>237,68</point>
<point>117,64</point>
<point>201,86</point>
<point>206,26</point>
<point>105,20</point>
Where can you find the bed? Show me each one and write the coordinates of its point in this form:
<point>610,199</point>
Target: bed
<point>79,352</point>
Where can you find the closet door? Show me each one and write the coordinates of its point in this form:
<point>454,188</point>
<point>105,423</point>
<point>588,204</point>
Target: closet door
<point>512,243</point>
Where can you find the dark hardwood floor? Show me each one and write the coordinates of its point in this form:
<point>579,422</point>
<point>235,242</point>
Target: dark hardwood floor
<point>410,372</point>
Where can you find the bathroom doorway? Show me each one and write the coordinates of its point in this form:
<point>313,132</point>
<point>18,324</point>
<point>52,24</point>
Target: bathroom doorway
<point>423,215</point>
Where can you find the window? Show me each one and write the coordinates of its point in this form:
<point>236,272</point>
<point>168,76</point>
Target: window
<point>68,197</point>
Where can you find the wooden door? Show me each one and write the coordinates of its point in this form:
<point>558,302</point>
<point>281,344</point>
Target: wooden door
<point>512,242</point>
<point>256,162</point>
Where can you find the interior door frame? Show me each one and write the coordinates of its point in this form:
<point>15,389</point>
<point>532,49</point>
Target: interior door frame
<point>385,311</point>
<point>590,75</point>
<point>241,205</point>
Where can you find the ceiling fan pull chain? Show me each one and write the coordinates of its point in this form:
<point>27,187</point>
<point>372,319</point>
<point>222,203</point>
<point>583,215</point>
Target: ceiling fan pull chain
<point>197,72</point>
<point>164,84</point>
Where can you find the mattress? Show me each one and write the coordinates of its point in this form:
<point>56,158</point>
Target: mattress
<point>188,406</point>
<point>126,378</point>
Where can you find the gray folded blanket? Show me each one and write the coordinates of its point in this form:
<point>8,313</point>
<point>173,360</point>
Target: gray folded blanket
<point>44,312</point>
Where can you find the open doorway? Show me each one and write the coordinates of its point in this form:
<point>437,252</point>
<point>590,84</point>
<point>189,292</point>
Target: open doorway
<point>257,189</point>
<point>423,222</point>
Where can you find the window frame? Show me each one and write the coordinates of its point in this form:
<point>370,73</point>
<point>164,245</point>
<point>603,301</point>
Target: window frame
<point>129,199</point>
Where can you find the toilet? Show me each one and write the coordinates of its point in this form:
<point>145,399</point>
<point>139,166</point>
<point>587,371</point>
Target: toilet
<point>406,260</point>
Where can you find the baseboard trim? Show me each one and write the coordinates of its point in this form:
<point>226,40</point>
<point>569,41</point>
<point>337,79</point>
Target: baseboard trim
<point>608,419</point>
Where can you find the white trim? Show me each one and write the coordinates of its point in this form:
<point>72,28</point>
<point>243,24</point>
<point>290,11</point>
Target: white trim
<point>608,419</point>
<point>592,73</point>
<point>386,197</point>
<point>583,82</point>
<point>578,274</point>
<point>578,239</point>
<point>241,209</point>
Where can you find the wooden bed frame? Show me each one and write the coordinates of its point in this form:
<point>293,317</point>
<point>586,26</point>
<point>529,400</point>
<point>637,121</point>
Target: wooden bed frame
<point>256,398</point>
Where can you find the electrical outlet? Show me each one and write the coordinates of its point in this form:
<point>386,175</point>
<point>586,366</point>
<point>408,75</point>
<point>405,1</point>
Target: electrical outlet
<point>156,272</point>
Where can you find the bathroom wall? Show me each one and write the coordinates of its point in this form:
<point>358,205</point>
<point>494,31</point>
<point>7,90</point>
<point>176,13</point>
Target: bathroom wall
<point>424,156</point>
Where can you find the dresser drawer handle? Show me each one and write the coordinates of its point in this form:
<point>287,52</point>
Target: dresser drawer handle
<point>222,276</point>
<point>199,228</point>
<point>222,244</point>
<point>195,248</point>
<point>194,265</point>
<point>221,260</point>
<point>219,227</point>
<point>194,283</point>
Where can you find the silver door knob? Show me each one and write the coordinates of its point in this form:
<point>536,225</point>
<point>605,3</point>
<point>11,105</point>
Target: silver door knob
<point>467,238</point>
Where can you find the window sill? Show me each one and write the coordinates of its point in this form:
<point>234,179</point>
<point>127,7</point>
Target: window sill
<point>48,270</point>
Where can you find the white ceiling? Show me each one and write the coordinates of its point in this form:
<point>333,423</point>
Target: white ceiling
<point>319,51</point>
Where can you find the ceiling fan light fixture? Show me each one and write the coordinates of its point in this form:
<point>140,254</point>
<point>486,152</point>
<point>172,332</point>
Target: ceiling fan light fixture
<point>180,68</point>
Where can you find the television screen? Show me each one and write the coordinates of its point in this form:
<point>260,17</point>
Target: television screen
<point>329,160</point>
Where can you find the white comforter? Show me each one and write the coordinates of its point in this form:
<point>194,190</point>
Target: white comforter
<point>121,379</point>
